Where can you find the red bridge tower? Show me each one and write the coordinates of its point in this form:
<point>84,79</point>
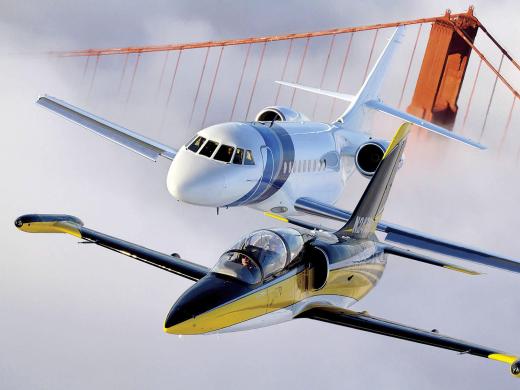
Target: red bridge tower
<point>443,68</point>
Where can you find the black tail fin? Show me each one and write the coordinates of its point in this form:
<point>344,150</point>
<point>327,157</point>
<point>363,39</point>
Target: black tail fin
<point>368,212</point>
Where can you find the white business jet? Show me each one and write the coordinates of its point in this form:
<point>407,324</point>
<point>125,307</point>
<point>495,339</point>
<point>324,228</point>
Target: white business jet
<point>281,162</point>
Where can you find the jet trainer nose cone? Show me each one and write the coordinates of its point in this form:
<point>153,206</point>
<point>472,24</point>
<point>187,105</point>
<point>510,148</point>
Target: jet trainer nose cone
<point>177,315</point>
<point>207,294</point>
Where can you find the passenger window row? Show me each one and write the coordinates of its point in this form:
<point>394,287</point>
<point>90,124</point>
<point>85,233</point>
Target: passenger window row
<point>300,166</point>
<point>224,153</point>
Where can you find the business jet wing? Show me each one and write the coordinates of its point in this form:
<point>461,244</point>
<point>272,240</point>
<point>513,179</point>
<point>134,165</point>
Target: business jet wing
<point>137,143</point>
<point>410,237</point>
<point>52,223</point>
<point>366,322</point>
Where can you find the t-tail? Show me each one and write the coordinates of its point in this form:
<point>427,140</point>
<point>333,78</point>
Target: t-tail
<point>367,213</point>
<point>367,100</point>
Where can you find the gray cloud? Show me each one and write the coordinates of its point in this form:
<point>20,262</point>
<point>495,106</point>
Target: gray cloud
<point>80,317</point>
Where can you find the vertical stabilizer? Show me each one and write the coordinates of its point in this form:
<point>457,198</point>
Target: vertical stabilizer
<point>372,85</point>
<point>367,213</point>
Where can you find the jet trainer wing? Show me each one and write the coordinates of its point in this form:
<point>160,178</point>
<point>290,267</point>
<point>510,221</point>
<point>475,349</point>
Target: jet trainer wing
<point>410,237</point>
<point>135,142</point>
<point>328,234</point>
<point>363,321</point>
<point>51,223</point>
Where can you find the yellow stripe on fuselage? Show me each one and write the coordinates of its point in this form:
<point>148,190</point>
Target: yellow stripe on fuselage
<point>276,216</point>
<point>351,281</point>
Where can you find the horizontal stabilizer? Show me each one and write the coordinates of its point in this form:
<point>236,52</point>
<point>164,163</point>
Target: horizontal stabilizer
<point>368,323</point>
<point>406,236</point>
<point>379,106</point>
<point>51,223</point>
<point>393,250</point>
<point>135,142</point>
<point>337,95</point>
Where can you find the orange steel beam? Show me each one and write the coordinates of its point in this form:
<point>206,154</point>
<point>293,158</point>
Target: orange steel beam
<point>479,53</point>
<point>233,42</point>
<point>504,51</point>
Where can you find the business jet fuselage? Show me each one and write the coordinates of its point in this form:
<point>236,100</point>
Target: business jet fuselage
<point>279,158</point>
<point>267,165</point>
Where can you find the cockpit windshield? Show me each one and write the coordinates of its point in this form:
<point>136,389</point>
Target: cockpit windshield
<point>239,266</point>
<point>256,256</point>
<point>224,153</point>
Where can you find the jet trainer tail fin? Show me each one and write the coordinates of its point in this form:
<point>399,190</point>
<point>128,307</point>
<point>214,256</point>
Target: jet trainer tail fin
<point>368,211</point>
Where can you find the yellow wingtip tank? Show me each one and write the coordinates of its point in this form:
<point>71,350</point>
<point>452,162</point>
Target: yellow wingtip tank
<point>513,361</point>
<point>49,223</point>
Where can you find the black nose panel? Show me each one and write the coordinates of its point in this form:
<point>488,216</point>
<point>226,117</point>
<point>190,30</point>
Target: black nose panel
<point>208,293</point>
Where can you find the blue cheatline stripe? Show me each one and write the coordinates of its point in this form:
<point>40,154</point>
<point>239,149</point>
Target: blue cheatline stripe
<point>280,150</point>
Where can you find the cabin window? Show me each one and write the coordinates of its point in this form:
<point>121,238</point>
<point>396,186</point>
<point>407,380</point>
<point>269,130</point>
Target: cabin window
<point>196,144</point>
<point>224,153</point>
<point>249,158</point>
<point>208,148</point>
<point>238,157</point>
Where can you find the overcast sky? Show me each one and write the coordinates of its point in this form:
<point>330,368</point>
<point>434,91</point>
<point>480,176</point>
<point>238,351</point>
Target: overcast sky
<point>78,316</point>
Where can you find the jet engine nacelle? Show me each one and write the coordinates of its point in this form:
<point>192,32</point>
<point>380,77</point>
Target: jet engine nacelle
<point>281,114</point>
<point>369,155</point>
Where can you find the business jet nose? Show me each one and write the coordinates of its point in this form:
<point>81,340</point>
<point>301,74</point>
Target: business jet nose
<point>199,188</point>
<point>197,180</point>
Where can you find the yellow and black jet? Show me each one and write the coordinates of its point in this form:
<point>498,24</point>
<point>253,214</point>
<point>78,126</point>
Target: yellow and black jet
<point>280,274</point>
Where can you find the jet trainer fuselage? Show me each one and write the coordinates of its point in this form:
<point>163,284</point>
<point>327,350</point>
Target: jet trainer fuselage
<point>275,275</point>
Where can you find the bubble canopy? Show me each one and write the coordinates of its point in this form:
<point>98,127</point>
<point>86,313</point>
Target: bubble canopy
<point>260,254</point>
